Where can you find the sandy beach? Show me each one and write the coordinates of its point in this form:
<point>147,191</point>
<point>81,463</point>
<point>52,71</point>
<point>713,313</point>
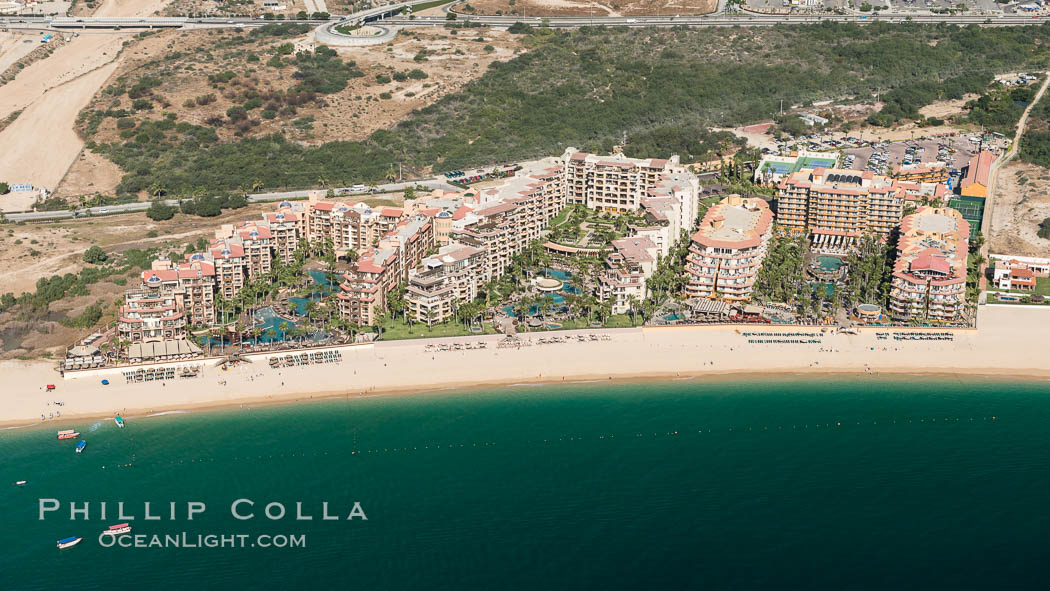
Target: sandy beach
<point>1007,344</point>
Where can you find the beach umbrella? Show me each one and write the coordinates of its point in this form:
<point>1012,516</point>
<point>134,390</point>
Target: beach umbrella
<point>105,382</point>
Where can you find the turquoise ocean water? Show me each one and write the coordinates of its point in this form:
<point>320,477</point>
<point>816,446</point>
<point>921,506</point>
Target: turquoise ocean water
<point>834,484</point>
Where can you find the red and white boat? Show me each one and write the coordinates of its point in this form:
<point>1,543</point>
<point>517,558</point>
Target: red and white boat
<point>116,530</point>
<point>68,434</point>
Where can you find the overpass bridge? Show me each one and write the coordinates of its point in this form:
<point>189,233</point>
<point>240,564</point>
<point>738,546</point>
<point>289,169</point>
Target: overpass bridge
<point>391,15</point>
<point>118,23</point>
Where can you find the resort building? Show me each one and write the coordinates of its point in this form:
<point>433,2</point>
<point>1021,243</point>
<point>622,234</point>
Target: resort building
<point>477,233</point>
<point>927,172</point>
<point>231,271</point>
<point>837,206</point>
<point>1019,273</point>
<point>613,183</point>
<point>774,167</point>
<point>196,290</point>
<point>363,293</point>
<point>443,282</point>
<point>152,313</point>
<point>356,227</point>
<point>728,249</point>
<point>287,227</point>
<point>512,215</point>
<point>975,181</point>
<point>255,241</point>
<point>929,276</point>
<point>627,268</point>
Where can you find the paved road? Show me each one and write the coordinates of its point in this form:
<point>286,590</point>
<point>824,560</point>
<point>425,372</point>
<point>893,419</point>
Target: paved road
<point>388,15</point>
<point>714,20</point>
<point>989,202</point>
<point>38,216</point>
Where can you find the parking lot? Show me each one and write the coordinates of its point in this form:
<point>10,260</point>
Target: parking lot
<point>954,151</point>
<point>799,6</point>
<point>972,6</point>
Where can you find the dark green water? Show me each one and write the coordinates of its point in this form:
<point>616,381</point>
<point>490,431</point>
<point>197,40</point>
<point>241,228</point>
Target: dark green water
<point>878,483</point>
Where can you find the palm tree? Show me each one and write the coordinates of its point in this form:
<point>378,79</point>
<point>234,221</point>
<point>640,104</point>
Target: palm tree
<point>632,301</point>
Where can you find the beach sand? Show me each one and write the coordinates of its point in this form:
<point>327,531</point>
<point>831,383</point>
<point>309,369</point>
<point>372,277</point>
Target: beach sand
<point>1008,344</point>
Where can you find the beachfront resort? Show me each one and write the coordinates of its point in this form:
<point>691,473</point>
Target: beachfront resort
<point>354,266</point>
<point>571,241</point>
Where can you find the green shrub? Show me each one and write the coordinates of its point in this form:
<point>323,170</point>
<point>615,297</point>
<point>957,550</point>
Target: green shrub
<point>159,211</point>
<point>237,113</point>
<point>95,255</point>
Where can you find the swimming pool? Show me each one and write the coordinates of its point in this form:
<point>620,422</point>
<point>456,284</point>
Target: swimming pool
<point>829,264</point>
<point>267,319</point>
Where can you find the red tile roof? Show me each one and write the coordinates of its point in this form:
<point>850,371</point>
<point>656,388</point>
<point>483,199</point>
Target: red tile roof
<point>931,262</point>
<point>978,169</point>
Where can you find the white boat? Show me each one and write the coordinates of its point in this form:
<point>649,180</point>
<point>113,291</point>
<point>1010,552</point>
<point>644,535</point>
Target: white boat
<point>116,530</point>
<point>20,483</point>
<point>69,542</point>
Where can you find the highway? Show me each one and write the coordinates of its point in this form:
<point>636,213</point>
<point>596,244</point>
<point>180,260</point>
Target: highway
<point>125,23</point>
<point>43,216</point>
<point>715,20</point>
<point>387,15</point>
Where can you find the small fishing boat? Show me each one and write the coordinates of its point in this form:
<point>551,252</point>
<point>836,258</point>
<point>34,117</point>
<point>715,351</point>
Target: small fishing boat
<point>116,530</point>
<point>119,421</point>
<point>68,434</point>
<point>81,445</point>
<point>20,483</point>
<point>69,542</point>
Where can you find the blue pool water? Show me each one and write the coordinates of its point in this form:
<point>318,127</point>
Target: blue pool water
<point>829,288</point>
<point>558,297</point>
<point>268,319</point>
<point>322,288</point>
<point>829,264</point>
<point>321,279</point>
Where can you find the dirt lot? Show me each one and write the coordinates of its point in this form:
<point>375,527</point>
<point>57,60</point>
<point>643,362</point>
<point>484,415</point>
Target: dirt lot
<point>119,7</point>
<point>589,8</point>
<point>248,8</point>
<point>447,61</point>
<point>1022,201</point>
<point>91,173</point>
<point>41,144</point>
<point>15,46</point>
<point>945,109</point>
